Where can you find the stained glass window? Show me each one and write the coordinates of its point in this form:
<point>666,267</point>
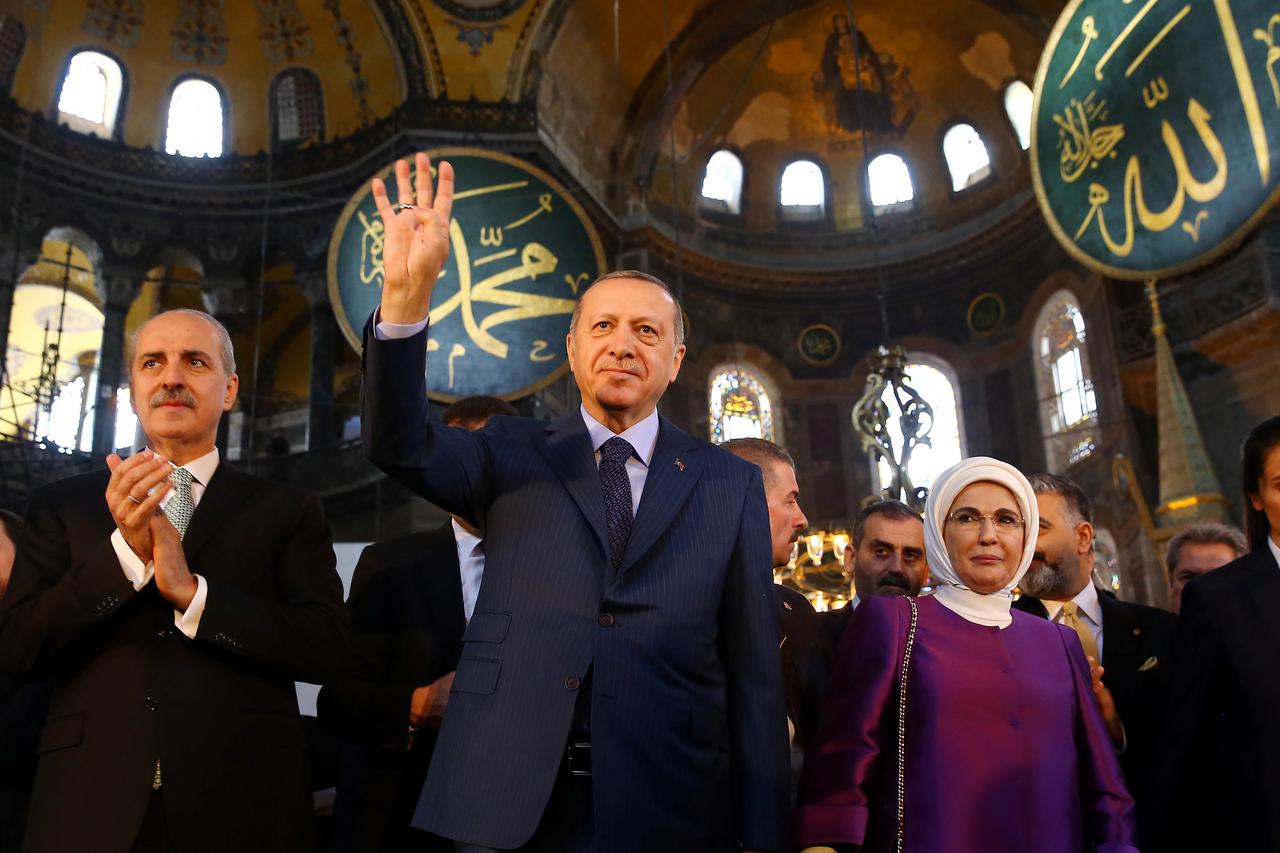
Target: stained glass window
<point>935,383</point>
<point>889,182</point>
<point>740,406</point>
<point>195,120</point>
<point>1068,404</point>
<point>966,156</point>
<point>1017,105</point>
<point>722,182</point>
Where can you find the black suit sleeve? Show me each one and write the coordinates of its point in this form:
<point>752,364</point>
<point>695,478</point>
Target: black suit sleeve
<point>753,668</point>
<point>1182,766</point>
<point>301,632</point>
<point>51,602</point>
<point>372,705</point>
<point>448,466</point>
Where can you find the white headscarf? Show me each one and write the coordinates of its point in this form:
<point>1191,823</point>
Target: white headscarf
<point>982,608</point>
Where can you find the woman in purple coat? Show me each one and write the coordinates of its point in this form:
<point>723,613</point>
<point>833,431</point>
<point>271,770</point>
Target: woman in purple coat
<point>1005,749</point>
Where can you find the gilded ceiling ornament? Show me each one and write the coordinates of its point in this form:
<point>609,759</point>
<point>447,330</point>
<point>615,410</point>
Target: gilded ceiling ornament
<point>117,21</point>
<point>200,34</point>
<point>284,31</point>
<point>474,38</point>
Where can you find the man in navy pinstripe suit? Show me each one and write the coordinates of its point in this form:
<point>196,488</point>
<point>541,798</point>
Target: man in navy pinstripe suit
<point>619,687</point>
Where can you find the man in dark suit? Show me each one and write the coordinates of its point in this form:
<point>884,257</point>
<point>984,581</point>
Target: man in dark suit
<point>410,600</point>
<point>626,627</point>
<point>1133,642</point>
<point>1218,775</point>
<point>804,666</point>
<point>174,617</point>
<point>22,710</point>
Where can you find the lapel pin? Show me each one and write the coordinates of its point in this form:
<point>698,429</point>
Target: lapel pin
<point>786,605</point>
<point>679,464</point>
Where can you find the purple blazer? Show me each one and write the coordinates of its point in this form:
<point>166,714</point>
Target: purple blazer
<point>1006,749</point>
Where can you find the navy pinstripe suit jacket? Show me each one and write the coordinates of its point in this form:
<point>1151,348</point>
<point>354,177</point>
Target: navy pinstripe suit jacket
<point>688,716</point>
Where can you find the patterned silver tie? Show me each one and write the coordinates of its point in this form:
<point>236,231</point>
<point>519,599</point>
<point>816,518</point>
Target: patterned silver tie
<point>181,506</point>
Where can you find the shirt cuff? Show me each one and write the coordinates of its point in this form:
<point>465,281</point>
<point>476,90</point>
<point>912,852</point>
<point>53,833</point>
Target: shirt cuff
<point>138,573</point>
<point>395,331</point>
<point>189,622</point>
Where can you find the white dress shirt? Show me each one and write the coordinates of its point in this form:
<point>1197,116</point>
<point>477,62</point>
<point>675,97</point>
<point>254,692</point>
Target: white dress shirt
<point>140,574</point>
<point>1088,608</point>
<point>470,565</point>
<point>1275,549</point>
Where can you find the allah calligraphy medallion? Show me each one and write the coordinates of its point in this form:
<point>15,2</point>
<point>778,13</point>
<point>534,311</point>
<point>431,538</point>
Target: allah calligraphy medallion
<point>1156,129</point>
<point>522,249</point>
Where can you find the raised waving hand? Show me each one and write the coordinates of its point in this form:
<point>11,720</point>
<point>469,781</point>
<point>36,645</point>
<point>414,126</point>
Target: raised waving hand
<point>415,238</point>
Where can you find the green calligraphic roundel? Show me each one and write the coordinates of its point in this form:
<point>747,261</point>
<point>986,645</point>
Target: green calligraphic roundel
<point>522,249</point>
<point>1155,130</point>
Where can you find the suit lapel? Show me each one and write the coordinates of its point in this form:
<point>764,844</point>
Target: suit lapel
<point>1262,593</point>
<point>673,472</point>
<point>1119,643</point>
<point>224,496</point>
<point>568,447</point>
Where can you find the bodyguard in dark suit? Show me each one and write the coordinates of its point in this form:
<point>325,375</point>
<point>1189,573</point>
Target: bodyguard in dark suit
<point>407,623</point>
<point>626,627</point>
<point>1133,641</point>
<point>410,600</point>
<point>174,617</point>
<point>804,665</point>
<point>1218,775</point>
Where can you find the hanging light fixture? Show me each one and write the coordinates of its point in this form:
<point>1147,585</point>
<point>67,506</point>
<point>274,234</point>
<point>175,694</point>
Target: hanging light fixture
<point>888,363</point>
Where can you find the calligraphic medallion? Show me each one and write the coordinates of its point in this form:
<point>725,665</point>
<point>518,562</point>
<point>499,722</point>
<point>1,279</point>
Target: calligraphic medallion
<point>819,344</point>
<point>1155,130</point>
<point>522,249</point>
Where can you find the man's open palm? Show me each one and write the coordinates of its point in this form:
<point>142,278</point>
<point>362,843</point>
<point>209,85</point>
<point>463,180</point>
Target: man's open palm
<point>415,241</point>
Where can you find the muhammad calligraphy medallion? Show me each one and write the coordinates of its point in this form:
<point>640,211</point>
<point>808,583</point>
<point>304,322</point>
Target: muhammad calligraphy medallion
<point>1155,130</point>
<point>522,249</point>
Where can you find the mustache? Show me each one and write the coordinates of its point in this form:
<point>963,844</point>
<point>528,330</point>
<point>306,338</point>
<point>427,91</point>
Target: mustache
<point>630,365</point>
<point>895,579</point>
<point>173,395</point>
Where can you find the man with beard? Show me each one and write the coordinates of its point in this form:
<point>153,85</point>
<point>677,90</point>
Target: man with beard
<point>885,556</point>
<point>1132,643</point>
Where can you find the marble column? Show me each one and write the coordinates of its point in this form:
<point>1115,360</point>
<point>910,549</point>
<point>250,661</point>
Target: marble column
<point>321,430</point>
<point>118,289</point>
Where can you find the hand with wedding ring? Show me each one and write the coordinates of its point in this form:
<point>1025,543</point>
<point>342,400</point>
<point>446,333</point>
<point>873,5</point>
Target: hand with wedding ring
<point>415,242</point>
<point>134,492</point>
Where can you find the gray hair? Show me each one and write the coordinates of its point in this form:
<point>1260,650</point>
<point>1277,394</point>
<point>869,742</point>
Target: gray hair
<point>760,452</point>
<point>226,352</point>
<point>641,276</point>
<point>1205,533</point>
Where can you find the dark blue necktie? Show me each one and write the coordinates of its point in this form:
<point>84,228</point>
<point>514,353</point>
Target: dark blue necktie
<point>615,487</point>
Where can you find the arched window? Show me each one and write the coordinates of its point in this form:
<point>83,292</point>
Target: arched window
<point>889,183</point>
<point>935,381</point>
<point>740,405</point>
<point>90,95</point>
<point>966,156</point>
<point>13,38</point>
<point>802,191</point>
<point>195,120</point>
<point>1068,406</point>
<point>299,110</point>
<point>1017,105</point>
<point>722,182</point>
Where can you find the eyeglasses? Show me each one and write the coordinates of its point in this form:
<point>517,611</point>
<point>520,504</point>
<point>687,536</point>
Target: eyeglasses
<point>971,520</point>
